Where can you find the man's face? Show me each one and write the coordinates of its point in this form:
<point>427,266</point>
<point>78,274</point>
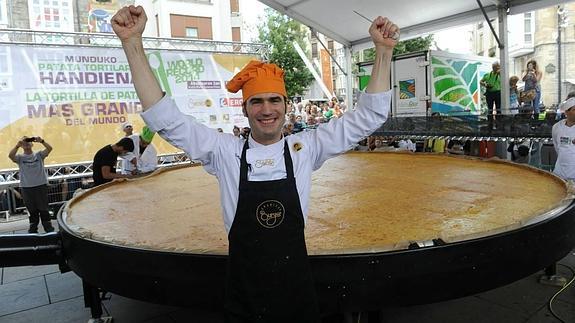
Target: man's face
<point>121,151</point>
<point>128,130</point>
<point>27,145</point>
<point>266,116</point>
<point>570,114</point>
<point>495,67</point>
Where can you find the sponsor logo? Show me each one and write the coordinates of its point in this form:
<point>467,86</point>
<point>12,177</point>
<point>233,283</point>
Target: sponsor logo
<point>200,103</point>
<point>270,214</point>
<point>198,85</point>
<point>231,102</point>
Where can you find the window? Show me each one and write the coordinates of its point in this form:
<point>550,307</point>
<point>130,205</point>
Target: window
<point>192,27</point>
<point>3,13</point>
<point>5,63</point>
<point>314,50</point>
<point>51,15</point>
<point>528,27</point>
<point>236,34</point>
<point>191,32</point>
<point>234,6</point>
<point>480,46</point>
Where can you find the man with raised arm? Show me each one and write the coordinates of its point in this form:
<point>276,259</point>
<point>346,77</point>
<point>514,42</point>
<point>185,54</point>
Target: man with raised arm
<point>265,179</point>
<point>33,181</point>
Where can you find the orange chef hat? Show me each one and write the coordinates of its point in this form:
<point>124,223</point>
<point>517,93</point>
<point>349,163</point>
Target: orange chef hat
<point>258,77</point>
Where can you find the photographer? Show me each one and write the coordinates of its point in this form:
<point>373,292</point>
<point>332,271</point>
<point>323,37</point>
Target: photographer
<point>492,83</point>
<point>33,181</point>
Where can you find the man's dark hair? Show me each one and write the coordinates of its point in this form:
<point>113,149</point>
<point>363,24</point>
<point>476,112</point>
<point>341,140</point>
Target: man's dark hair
<point>126,143</point>
<point>571,95</point>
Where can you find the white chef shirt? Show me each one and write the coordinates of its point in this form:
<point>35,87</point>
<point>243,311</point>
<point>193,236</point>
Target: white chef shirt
<point>564,143</point>
<point>220,153</point>
<point>145,162</point>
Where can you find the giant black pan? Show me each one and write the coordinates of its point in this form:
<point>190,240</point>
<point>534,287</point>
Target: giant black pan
<point>353,282</point>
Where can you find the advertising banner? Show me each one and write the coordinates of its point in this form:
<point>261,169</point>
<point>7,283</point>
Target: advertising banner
<point>455,83</point>
<point>78,98</point>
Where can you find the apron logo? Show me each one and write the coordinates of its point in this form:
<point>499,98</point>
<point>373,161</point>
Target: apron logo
<point>270,214</point>
<point>265,162</point>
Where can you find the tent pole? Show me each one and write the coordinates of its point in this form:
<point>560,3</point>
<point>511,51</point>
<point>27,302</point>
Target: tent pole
<point>504,59</point>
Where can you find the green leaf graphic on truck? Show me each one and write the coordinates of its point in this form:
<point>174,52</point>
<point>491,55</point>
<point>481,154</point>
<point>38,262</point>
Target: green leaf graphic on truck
<point>456,86</point>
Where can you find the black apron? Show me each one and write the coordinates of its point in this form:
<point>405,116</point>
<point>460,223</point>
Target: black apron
<point>269,276</point>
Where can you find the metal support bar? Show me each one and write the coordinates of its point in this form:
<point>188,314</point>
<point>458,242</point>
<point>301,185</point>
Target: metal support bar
<point>92,299</point>
<point>499,44</point>
<point>559,57</point>
<point>30,249</point>
<point>504,60</point>
<point>32,37</point>
<point>330,55</point>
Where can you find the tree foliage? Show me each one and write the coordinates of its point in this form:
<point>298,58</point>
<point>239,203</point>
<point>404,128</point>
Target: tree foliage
<point>403,47</point>
<point>278,32</point>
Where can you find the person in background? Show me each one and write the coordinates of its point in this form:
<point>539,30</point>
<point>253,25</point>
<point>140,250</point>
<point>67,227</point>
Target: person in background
<point>265,180</point>
<point>520,152</point>
<point>132,162</point>
<point>33,181</point>
<point>287,129</point>
<point>236,131</point>
<point>532,78</point>
<point>492,83</point>
<point>513,95</point>
<point>560,114</point>
<point>299,124</point>
<point>128,129</point>
<point>3,196</point>
<point>246,132</point>
<point>455,147</point>
<point>105,160</point>
<point>563,134</point>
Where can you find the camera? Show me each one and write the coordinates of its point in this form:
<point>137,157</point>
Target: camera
<point>30,139</point>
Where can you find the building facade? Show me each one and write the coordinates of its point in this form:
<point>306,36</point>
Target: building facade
<point>333,77</point>
<point>534,35</point>
<point>219,20</point>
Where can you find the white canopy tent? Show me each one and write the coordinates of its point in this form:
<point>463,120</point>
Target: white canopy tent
<point>336,19</point>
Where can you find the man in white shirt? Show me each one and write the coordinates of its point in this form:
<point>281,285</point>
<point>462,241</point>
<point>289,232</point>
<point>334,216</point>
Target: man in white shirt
<point>564,141</point>
<point>128,128</point>
<point>144,157</point>
<point>264,179</point>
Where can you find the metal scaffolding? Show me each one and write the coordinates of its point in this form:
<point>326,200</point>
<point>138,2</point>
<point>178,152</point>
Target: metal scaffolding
<point>50,38</point>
